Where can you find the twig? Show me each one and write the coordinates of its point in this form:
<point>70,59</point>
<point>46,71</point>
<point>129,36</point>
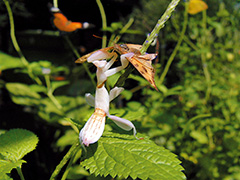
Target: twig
<point>65,160</point>
<point>171,58</point>
<point>160,24</point>
<point>104,22</point>
<point>16,46</point>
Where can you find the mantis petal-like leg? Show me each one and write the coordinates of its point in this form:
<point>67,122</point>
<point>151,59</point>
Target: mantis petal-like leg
<point>115,92</point>
<point>93,129</point>
<point>101,76</point>
<point>124,62</point>
<point>90,99</point>
<point>110,63</point>
<point>99,55</point>
<point>124,124</point>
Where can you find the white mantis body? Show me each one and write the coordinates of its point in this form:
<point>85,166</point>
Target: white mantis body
<point>93,129</point>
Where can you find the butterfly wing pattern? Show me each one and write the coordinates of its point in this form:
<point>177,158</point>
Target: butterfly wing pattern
<point>143,63</point>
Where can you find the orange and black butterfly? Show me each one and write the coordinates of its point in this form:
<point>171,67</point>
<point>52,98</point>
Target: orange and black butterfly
<point>61,22</point>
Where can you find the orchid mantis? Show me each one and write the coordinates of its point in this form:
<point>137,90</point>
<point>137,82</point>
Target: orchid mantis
<point>128,53</point>
<point>93,129</point>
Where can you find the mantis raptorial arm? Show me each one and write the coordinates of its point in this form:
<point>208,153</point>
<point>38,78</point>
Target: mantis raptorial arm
<point>103,55</point>
<point>124,62</point>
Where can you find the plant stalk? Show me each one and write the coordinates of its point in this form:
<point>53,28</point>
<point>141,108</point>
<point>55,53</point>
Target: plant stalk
<point>69,154</point>
<point>203,57</point>
<point>19,170</point>
<point>16,46</point>
<point>154,34</point>
<point>104,22</point>
<point>50,93</point>
<point>78,56</point>
<point>55,3</point>
<point>171,58</point>
<point>160,24</point>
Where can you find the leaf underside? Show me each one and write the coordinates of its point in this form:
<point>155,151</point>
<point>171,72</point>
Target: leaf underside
<point>123,156</point>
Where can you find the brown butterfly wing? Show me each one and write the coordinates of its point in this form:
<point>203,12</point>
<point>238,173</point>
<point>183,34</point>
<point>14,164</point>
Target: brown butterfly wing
<point>127,48</point>
<point>84,58</point>
<point>143,63</point>
<point>135,48</point>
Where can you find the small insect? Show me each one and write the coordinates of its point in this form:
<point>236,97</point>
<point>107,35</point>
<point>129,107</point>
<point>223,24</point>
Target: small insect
<point>196,6</point>
<point>128,53</point>
<point>63,24</point>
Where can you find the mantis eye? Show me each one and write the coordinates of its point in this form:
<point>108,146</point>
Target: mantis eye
<point>124,46</point>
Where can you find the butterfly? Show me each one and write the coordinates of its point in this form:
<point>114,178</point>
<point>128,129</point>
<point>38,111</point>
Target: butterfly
<point>142,62</point>
<point>61,22</point>
<point>196,6</point>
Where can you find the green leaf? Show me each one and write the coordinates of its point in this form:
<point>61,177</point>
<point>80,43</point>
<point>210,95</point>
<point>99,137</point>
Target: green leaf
<point>77,172</point>
<point>74,122</point>
<point>57,84</point>
<point>127,94</point>
<point>9,62</point>
<point>123,156</point>
<point>38,88</point>
<point>113,79</point>
<point>199,136</point>
<point>47,110</point>
<point>7,166</point>
<point>68,138</point>
<point>16,143</point>
<point>22,94</point>
<point>75,109</point>
<point>129,114</point>
<point>142,81</point>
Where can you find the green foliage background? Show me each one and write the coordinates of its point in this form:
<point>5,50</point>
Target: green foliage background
<point>195,114</point>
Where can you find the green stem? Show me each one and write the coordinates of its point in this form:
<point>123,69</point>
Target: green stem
<point>104,22</point>
<point>185,38</point>
<point>50,93</point>
<point>55,3</point>
<point>160,24</point>
<point>68,168</point>
<point>121,80</point>
<point>171,58</point>
<point>15,43</point>
<point>124,29</point>
<point>78,56</point>
<point>114,39</point>
<point>69,154</point>
<point>193,119</point>
<point>12,34</point>
<point>190,43</point>
<point>203,57</point>
<point>150,39</point>
<point>19,170</point>
<point>54,100</point>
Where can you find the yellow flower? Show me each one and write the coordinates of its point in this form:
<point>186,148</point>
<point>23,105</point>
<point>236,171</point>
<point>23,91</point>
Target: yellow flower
<point>196,6</point>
